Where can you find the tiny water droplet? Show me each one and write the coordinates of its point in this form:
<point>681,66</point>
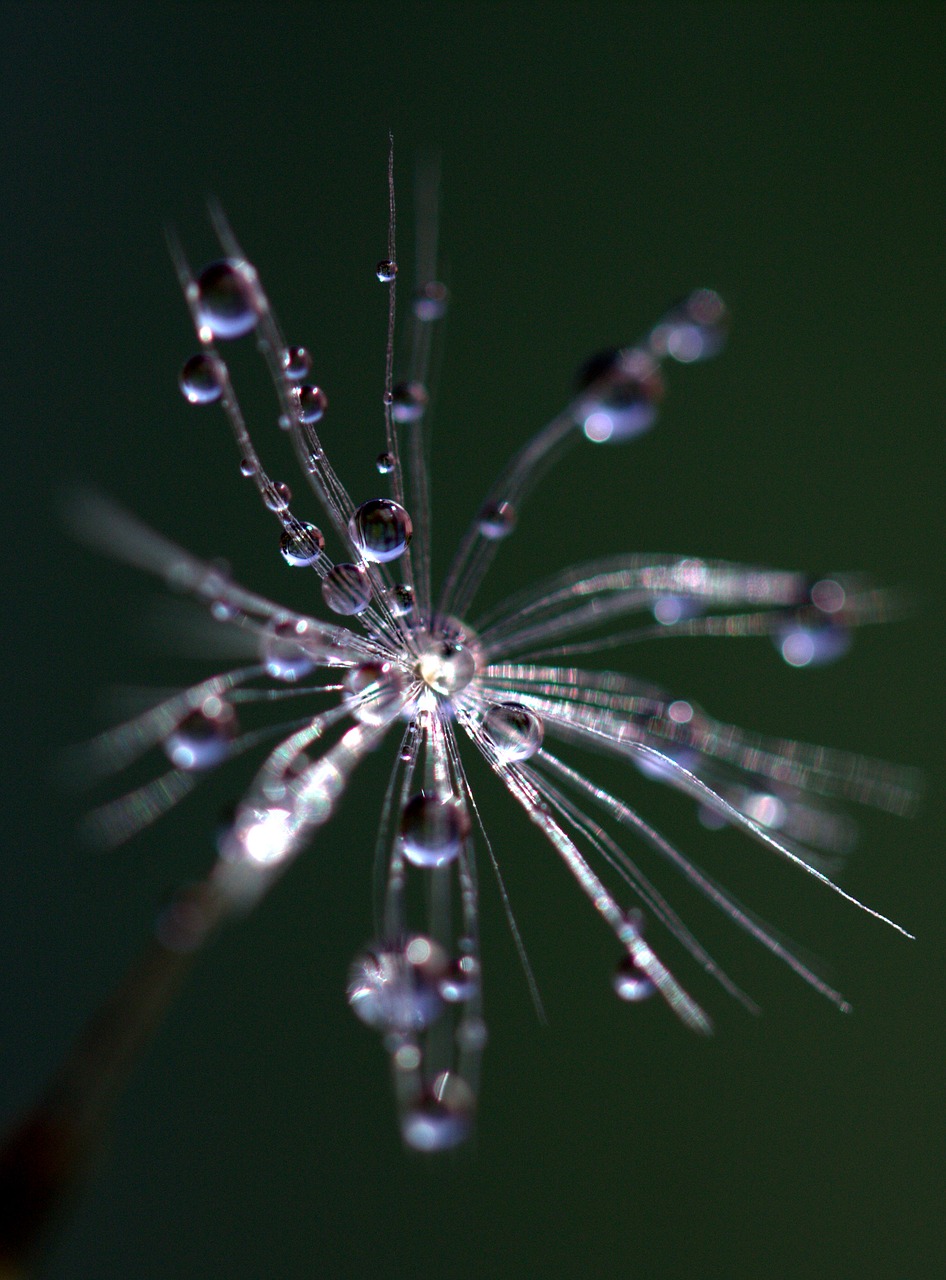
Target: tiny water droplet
<point>442,1117</point>
<point>408,401</point>
<point>278,496</point>
<point>201,379</point>
<point>229,303</point>
<point>395,988</point>
<point>296,363</point>
<point>433,829</point>
<point>496,520</point>
<point>385,463</point>
<point>400,599</point>
<point>381,530</point>
<point>386,270</point>
<point>312,403</point>
<point>301,545</point>
<point>623,389</point>
<point>630,981</point>
<point>514,730</point>
<point>374,692</point>
<point>694,329</point>
<point>803,645</point>
<point>203,738</point>
<point>248,467</point>
<point>430,301</point>
<point>283,656</point>
<point>346,588</point>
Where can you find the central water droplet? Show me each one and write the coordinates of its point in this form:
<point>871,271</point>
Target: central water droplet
<point>229,304</point>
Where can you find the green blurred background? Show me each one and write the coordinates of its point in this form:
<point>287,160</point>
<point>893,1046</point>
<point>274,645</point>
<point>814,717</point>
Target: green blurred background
<point>598,160</point>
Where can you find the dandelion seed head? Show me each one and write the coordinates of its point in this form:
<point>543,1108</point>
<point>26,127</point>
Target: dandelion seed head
<point>387,653</point>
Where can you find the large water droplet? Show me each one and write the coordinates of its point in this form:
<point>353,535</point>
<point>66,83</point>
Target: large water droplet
<point>346,589</point>
<point>312,403</point>
<point>395,988</point>
<point>433,829</point>
<point>381,530</point>
<point>408,401</point>
<point>374,692</point>
<point>201,379</point>
<point>228,298</point>
<point>301,545</point>
<point>203,739</point>
<point>514,731</point>
<point>450,660</point>
<point>442,1118</point>
<point>623,390</point>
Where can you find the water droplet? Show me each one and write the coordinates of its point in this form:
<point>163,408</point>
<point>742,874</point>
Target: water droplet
<point>228,298</point>
<point>623,391</point>
<point>514,731</point>
<point>381,530</point>
<point>430,301</point>
<point>277,496</point>
<point>312,403</point>
<point>497,520</point>
<point>461,981</point>
<point>283,654</point>
<point>630,982</point>
<point>374,692</point>
<point>346,588</point>
<point>386,270</point>
<point>828,596</point>
<point>201,379</point>
<point>248,467</point>
<point>400,600</point>
<point>442,1117</point>
<point>433,829</point>
<point>450,660</point>
<point>694,329</point>
<point>395,988</point>
<point>812,646</point>
<point>385,463</point>
<point>408,401</point>
<point>296,363</point>
<point>300,545</point>
<point>669,610</point>
<point>203,738</point>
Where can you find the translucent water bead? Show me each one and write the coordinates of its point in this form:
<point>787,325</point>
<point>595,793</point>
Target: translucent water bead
<point>433,829</point>
<point>301,545</point>
<point>312,402</point>
<point>201,379</point>
<point>408,401</point>
<point>374,692</point>
<point>296,363</point>
<point>396,988</point>
<point>514,731</point>
<point>386,270</point>
<point>283,652</point>
<point>381,530</point>
<point>496,520</point>
<point>346,589</point>
<point>442,1116</point>
<point>623,389</point>
<point>203,739</point>
<point>695,329</point>
<point>228,300</point>
<point>630,981</point>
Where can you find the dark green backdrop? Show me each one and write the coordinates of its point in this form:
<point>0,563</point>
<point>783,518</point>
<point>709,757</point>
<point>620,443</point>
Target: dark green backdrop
<point>598,160</point>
